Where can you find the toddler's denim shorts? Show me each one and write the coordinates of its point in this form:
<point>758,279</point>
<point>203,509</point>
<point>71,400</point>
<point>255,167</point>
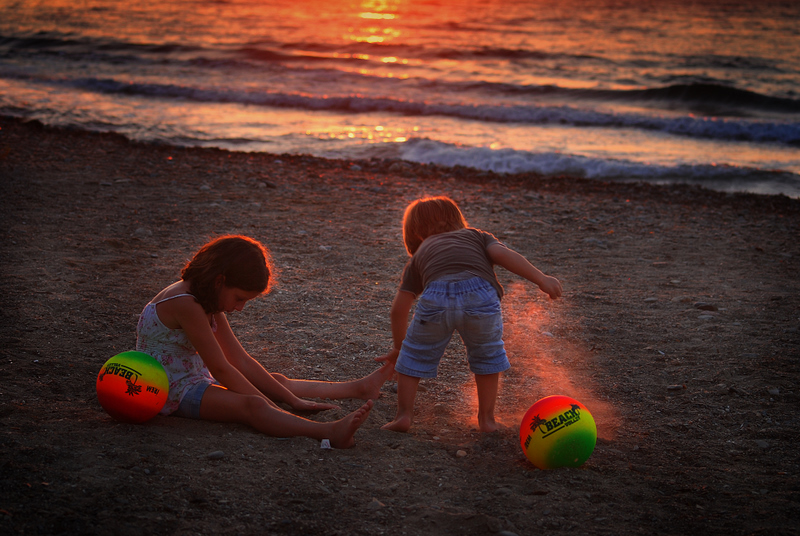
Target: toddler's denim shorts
<point>190,403</point>
<point>470,306</point>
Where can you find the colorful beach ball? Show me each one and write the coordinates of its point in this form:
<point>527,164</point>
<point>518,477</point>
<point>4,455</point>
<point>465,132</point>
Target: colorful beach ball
<point>558,431</point>
<point>132,387</point>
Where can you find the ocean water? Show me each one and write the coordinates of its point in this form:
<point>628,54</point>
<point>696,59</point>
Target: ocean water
<point>693,91</point>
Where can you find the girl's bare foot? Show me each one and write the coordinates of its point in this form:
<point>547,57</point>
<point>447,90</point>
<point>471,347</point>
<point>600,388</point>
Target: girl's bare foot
<point>399,424</point>
<point>344,429</point>
<point>370,386</point>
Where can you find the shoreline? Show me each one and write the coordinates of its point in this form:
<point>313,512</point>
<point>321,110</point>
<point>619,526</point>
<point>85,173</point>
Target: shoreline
<point>404,167</point>
<point>678,329</point>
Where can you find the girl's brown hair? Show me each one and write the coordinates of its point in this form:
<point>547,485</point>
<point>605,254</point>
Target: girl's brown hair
<point>242,262</point>
<point>429,216</point>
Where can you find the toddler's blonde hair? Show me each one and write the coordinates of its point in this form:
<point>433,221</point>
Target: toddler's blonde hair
<point>429,216</point>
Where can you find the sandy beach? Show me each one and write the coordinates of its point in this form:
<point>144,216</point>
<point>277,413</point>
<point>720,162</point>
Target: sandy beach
<point>678,329</point>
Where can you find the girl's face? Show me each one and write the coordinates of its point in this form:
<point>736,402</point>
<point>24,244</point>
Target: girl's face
<point>233,299</point>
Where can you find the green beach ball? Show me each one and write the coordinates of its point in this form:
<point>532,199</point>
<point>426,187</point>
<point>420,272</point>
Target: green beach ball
<point>558,431</point>
<point>132,387</point>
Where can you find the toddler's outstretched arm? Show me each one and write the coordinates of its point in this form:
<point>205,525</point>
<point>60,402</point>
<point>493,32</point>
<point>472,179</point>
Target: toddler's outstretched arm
<point>401,306</point>
<point>516,263</point>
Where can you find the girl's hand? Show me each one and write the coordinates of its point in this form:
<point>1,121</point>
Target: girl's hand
<point>390,357</point>
<point>307,405</point>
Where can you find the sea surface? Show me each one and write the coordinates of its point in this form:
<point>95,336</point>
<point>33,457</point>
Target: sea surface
<point>693,91</point>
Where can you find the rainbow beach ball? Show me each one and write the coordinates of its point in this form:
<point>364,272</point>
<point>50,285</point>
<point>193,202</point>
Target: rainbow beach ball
<point>557,431</point>
<point>132,387</point>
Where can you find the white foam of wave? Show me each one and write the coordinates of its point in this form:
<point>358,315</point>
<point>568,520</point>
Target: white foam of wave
<point>552,164</point>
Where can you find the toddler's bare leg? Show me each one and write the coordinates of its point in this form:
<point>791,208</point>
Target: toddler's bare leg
<point>406,393</point>
<point>487,397</point>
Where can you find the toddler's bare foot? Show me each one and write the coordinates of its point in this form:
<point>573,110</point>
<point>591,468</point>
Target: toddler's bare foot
<point>399,424</point>
<point>487,424</point>
<point>345,429</point>
<point>370,386</point>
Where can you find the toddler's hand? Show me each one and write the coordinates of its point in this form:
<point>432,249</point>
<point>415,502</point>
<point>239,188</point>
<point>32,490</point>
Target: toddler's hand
<point>551,286</point>
<point>390,357</point>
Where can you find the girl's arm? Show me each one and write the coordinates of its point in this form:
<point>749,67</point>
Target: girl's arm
<point>190,317</point>
<point>254,372</point>
<point>516,263</point>
<point>225,358</point>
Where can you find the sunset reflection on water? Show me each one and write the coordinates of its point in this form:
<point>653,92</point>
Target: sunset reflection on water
<point>667,92</point>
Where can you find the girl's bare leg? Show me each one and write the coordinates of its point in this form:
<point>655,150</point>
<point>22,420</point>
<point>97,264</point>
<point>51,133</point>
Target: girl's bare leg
<point>366,388</point>
<point>487,397</point>
<point>406,393</point>
<point>220,404</point>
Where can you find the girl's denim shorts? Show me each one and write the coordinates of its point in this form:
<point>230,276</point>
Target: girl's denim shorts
<point>190,403</point>
<point>471,307</point>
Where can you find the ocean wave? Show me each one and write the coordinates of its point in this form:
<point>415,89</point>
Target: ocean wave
<point>264,50</point>
<point>700,96</point>
<point>578,113</point>
<point>552,164</point>
<point>45,42</point>
<point>722,129</point>
<point>707,97</point>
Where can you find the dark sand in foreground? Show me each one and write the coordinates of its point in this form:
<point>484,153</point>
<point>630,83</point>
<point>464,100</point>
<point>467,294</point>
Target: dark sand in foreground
<point>678,330</point>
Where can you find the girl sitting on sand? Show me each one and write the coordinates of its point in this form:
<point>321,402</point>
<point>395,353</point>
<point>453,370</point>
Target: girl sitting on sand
<point>451,270</point>
<point>211,376</point>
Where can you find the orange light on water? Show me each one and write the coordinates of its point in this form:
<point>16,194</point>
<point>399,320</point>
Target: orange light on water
<point>368,39</point>
<point>378,16</point>
<point>376,11</point>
